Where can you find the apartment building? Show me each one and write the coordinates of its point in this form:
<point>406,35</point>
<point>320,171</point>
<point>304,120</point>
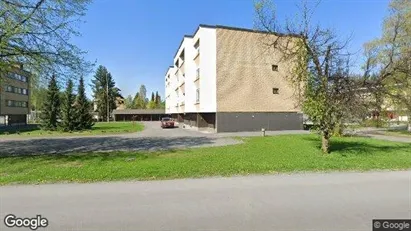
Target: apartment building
<point>14,96</point>
<point>224,79</point>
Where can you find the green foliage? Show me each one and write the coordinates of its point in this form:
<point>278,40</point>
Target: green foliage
<point>151,105</point>
<point>104,91</point>
<point>374,123</point>
<point>140,101</point>
<point>152,97</point>
<point>128,102</point>
<point>84,119</point>
<point>51,107</point>
<point>68,111</point>
<point>389,57</point>
<point>39,34</point>
<point>37,97</point>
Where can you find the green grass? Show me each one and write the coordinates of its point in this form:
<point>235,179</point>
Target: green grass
<point>403,133</point>
<point>100,128</point>
<point>258,155</point>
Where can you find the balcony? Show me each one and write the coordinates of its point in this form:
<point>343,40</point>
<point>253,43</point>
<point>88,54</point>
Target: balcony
<point>197,53</point>
<point>182,67</point>
<point>181,81</point>
<point>197,74</point>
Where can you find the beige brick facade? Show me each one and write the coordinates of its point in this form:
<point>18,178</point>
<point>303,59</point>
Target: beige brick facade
<point>5,96</point>
<point>245,79</point>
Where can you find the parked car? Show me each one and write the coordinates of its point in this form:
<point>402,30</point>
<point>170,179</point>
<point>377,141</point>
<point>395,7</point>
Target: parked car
<point>167,122</point>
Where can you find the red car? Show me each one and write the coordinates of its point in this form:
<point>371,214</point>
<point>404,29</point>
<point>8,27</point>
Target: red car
<point>167,122</point>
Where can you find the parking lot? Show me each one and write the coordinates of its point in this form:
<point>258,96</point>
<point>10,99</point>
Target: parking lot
<point>152,138</point>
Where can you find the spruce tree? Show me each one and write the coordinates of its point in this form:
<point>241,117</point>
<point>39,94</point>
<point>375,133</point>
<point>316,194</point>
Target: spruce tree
<point>83,115</point>
<point>104,91</point>
<point>152,97</point>
<point>67,110</point>
<point>51,106</point>
<point>158,100</point>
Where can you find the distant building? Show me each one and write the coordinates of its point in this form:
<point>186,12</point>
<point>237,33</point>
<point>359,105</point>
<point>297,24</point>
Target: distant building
<point>14,96</point>
<point>139,114</point>
<point>120,105</point>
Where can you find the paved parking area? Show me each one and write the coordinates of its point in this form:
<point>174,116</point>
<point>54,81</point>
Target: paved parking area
<point>152,138</point>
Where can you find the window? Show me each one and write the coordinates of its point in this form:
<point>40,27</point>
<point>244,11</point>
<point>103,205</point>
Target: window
<point>9,89</point>
<point>25,92</point>
<point>18,90</point>
<point>12,103</point>
<point>17,77</point>
<point>275,91</point>
<point>274,67</point>
<point>198,95</point>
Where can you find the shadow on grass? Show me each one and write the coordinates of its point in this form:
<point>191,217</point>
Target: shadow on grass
<point>87,157</point>
<point>362,146</point>
<point>99,144</point>
<point>19,128</point>
<point>110,128</point>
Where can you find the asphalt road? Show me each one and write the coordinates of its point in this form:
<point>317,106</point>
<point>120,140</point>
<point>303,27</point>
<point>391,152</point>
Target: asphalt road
<point>336,201</point>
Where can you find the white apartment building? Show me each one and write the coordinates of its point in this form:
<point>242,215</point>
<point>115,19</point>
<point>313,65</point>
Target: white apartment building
<point>221,80</point>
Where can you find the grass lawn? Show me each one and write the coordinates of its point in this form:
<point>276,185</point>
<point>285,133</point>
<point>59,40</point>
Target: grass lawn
<point>100,128</point>
<point>258,155</point>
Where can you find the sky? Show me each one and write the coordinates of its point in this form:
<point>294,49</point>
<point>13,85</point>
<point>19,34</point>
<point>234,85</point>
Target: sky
<point>137,39</point>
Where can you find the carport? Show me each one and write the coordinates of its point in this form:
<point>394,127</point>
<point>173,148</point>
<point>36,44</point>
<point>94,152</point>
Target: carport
<point>139,114</point>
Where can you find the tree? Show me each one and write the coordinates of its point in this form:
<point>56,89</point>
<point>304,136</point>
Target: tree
<point>142,101</point>
<point>128,102</point>
<point>104,91</point>
<point>157,99</point>
<point>152,97</point>
<point>143,92</point>
<point>151,105</point>
<point>389,58</point>
<point>162,105</point>
<point>51,107</point>
<point>83,108</point>
<point>68,111</point>
<point>319,65</point>
<point>37,97</point>
<point>136,100</point>
<point>38,34</point>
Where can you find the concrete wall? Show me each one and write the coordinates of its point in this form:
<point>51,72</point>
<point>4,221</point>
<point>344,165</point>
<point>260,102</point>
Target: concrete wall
<point>207,64</point>
<point>254,121</point>
<point>170,91</point>
<point>245,79</point>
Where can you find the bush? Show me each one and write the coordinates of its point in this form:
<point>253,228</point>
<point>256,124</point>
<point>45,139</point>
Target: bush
<point>374,123</point>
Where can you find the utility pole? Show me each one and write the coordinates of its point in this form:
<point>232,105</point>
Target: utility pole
<point>108,104</point>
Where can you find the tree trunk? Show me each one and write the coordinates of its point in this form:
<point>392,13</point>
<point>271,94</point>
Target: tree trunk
<point>409,123</point>
<point>325,143</point>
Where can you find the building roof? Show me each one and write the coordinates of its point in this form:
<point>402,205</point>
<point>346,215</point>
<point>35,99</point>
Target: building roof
<point>243,29</point>
<point>181,43</point>
<point>230,28</point>
<point>139,111</point>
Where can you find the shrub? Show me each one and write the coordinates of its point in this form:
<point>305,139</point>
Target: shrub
<point>374,123</point>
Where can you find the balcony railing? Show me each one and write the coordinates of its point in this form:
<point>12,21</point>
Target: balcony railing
<point>197,74</point>
<point>197,53</point>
